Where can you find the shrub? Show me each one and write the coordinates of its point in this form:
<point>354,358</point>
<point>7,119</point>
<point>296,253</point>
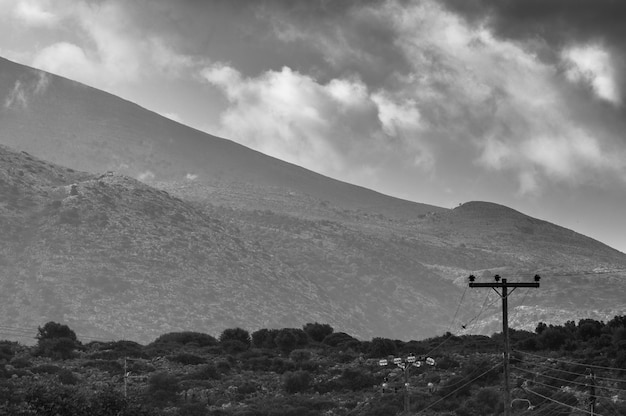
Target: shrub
<point>339,340</point>
<point>317,332</point>
<point>187,359</point>
<point>296,382</point>
<point>205,372</point>
<point>233,346</point>
<point>300,355</point>
<point>112,367</point>
<point>7,350</point>
<point>236,334</point>
<point>186,337</point>
<point>356,379</point>
<point>264,338</point>
<point>116,350</point>
<point>67,377</point>
<point>163,388</point>
<point>286,340</point>
<point>382,347</point>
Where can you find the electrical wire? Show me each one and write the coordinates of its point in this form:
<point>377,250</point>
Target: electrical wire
<point>456,390</point>
<point>562,404</point>
<point>586,385</point>
<point>570,362</point>
<point>475,318</point>
<point>617,380</point>
<point>458,308</point>
<point>451,323</point>
<point>33,331</point>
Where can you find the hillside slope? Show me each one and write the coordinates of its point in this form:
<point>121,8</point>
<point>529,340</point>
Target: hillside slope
<point>117,258</point>
<point>80,127</point>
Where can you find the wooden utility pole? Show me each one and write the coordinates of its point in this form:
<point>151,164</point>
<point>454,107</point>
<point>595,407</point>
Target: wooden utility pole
<point>504,294</point>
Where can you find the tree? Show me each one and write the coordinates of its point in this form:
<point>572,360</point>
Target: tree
<point>53,330</point>
<point>56,340</point>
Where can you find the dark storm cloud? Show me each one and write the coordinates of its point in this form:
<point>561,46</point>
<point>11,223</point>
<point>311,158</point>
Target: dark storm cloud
<point>558,22</point>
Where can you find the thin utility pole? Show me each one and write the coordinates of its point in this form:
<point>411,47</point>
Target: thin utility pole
<point>592,393</point>
<point>504,294</point>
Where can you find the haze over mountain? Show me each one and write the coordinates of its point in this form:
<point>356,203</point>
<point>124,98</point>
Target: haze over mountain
<point>243,239</point>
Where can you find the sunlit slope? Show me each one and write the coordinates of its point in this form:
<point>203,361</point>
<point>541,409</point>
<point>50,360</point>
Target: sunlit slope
<point>86,129</point>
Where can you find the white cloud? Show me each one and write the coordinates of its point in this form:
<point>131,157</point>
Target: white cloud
<point>593,65</point>
<point>339,128</point>
<point>146,176</point>
<point>68,60</point>
<point>24,90</point>
<point>17,97</point>
<point>35,13</point>
<point>173,116</point>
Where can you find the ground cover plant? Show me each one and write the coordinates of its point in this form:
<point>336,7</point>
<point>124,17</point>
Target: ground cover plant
<point>314,370</point>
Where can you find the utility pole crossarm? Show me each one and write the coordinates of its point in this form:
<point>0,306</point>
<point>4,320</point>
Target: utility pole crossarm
<point>504,284</point>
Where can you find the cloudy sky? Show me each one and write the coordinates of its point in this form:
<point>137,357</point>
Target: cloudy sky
<point>519,102</point>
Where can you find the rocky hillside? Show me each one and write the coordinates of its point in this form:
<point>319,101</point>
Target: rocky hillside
<point>115,257</point>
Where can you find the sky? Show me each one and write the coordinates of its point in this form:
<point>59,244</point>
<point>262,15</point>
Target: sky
<point>517,102</point>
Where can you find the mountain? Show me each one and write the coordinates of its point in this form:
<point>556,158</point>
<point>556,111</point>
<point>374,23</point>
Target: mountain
<point>76,126</point>
<point>217,235</point>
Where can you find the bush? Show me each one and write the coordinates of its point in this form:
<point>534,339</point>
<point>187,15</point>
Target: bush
<point>116,350</point>
<point>163,389</point>
<point>382,347</point>
<point>286,340</point>
<point>264,338</point>
<point>205,372</point>
<point>233,346</point>
<point>296,382</point>
<point>300,355</point>
<point>356,379</point>
<point>317,332</point>
<point>67,377</point>
<point>187,359</point>
<point>187,337</point>
<point>340,340</point>
<point>236,334</point>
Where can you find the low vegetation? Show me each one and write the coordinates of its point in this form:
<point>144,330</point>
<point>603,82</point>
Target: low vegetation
<point>314,370</point>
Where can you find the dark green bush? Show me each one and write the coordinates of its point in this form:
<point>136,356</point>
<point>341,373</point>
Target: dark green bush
<point>187,359</point>
<point>205,372</point>
<point>317,332</point>
<point>235,334</point>
<point>296,382</point>
<point>340,340</point>
<point>382,347</point>
<point>163,389</point>
<point>188,337</point>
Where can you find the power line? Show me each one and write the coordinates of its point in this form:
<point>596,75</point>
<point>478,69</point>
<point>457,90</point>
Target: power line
<point>562,404</point>
<point>580,374</point>
<point>456,390</point>
<point>566,381</point>
<point>570,362</point>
